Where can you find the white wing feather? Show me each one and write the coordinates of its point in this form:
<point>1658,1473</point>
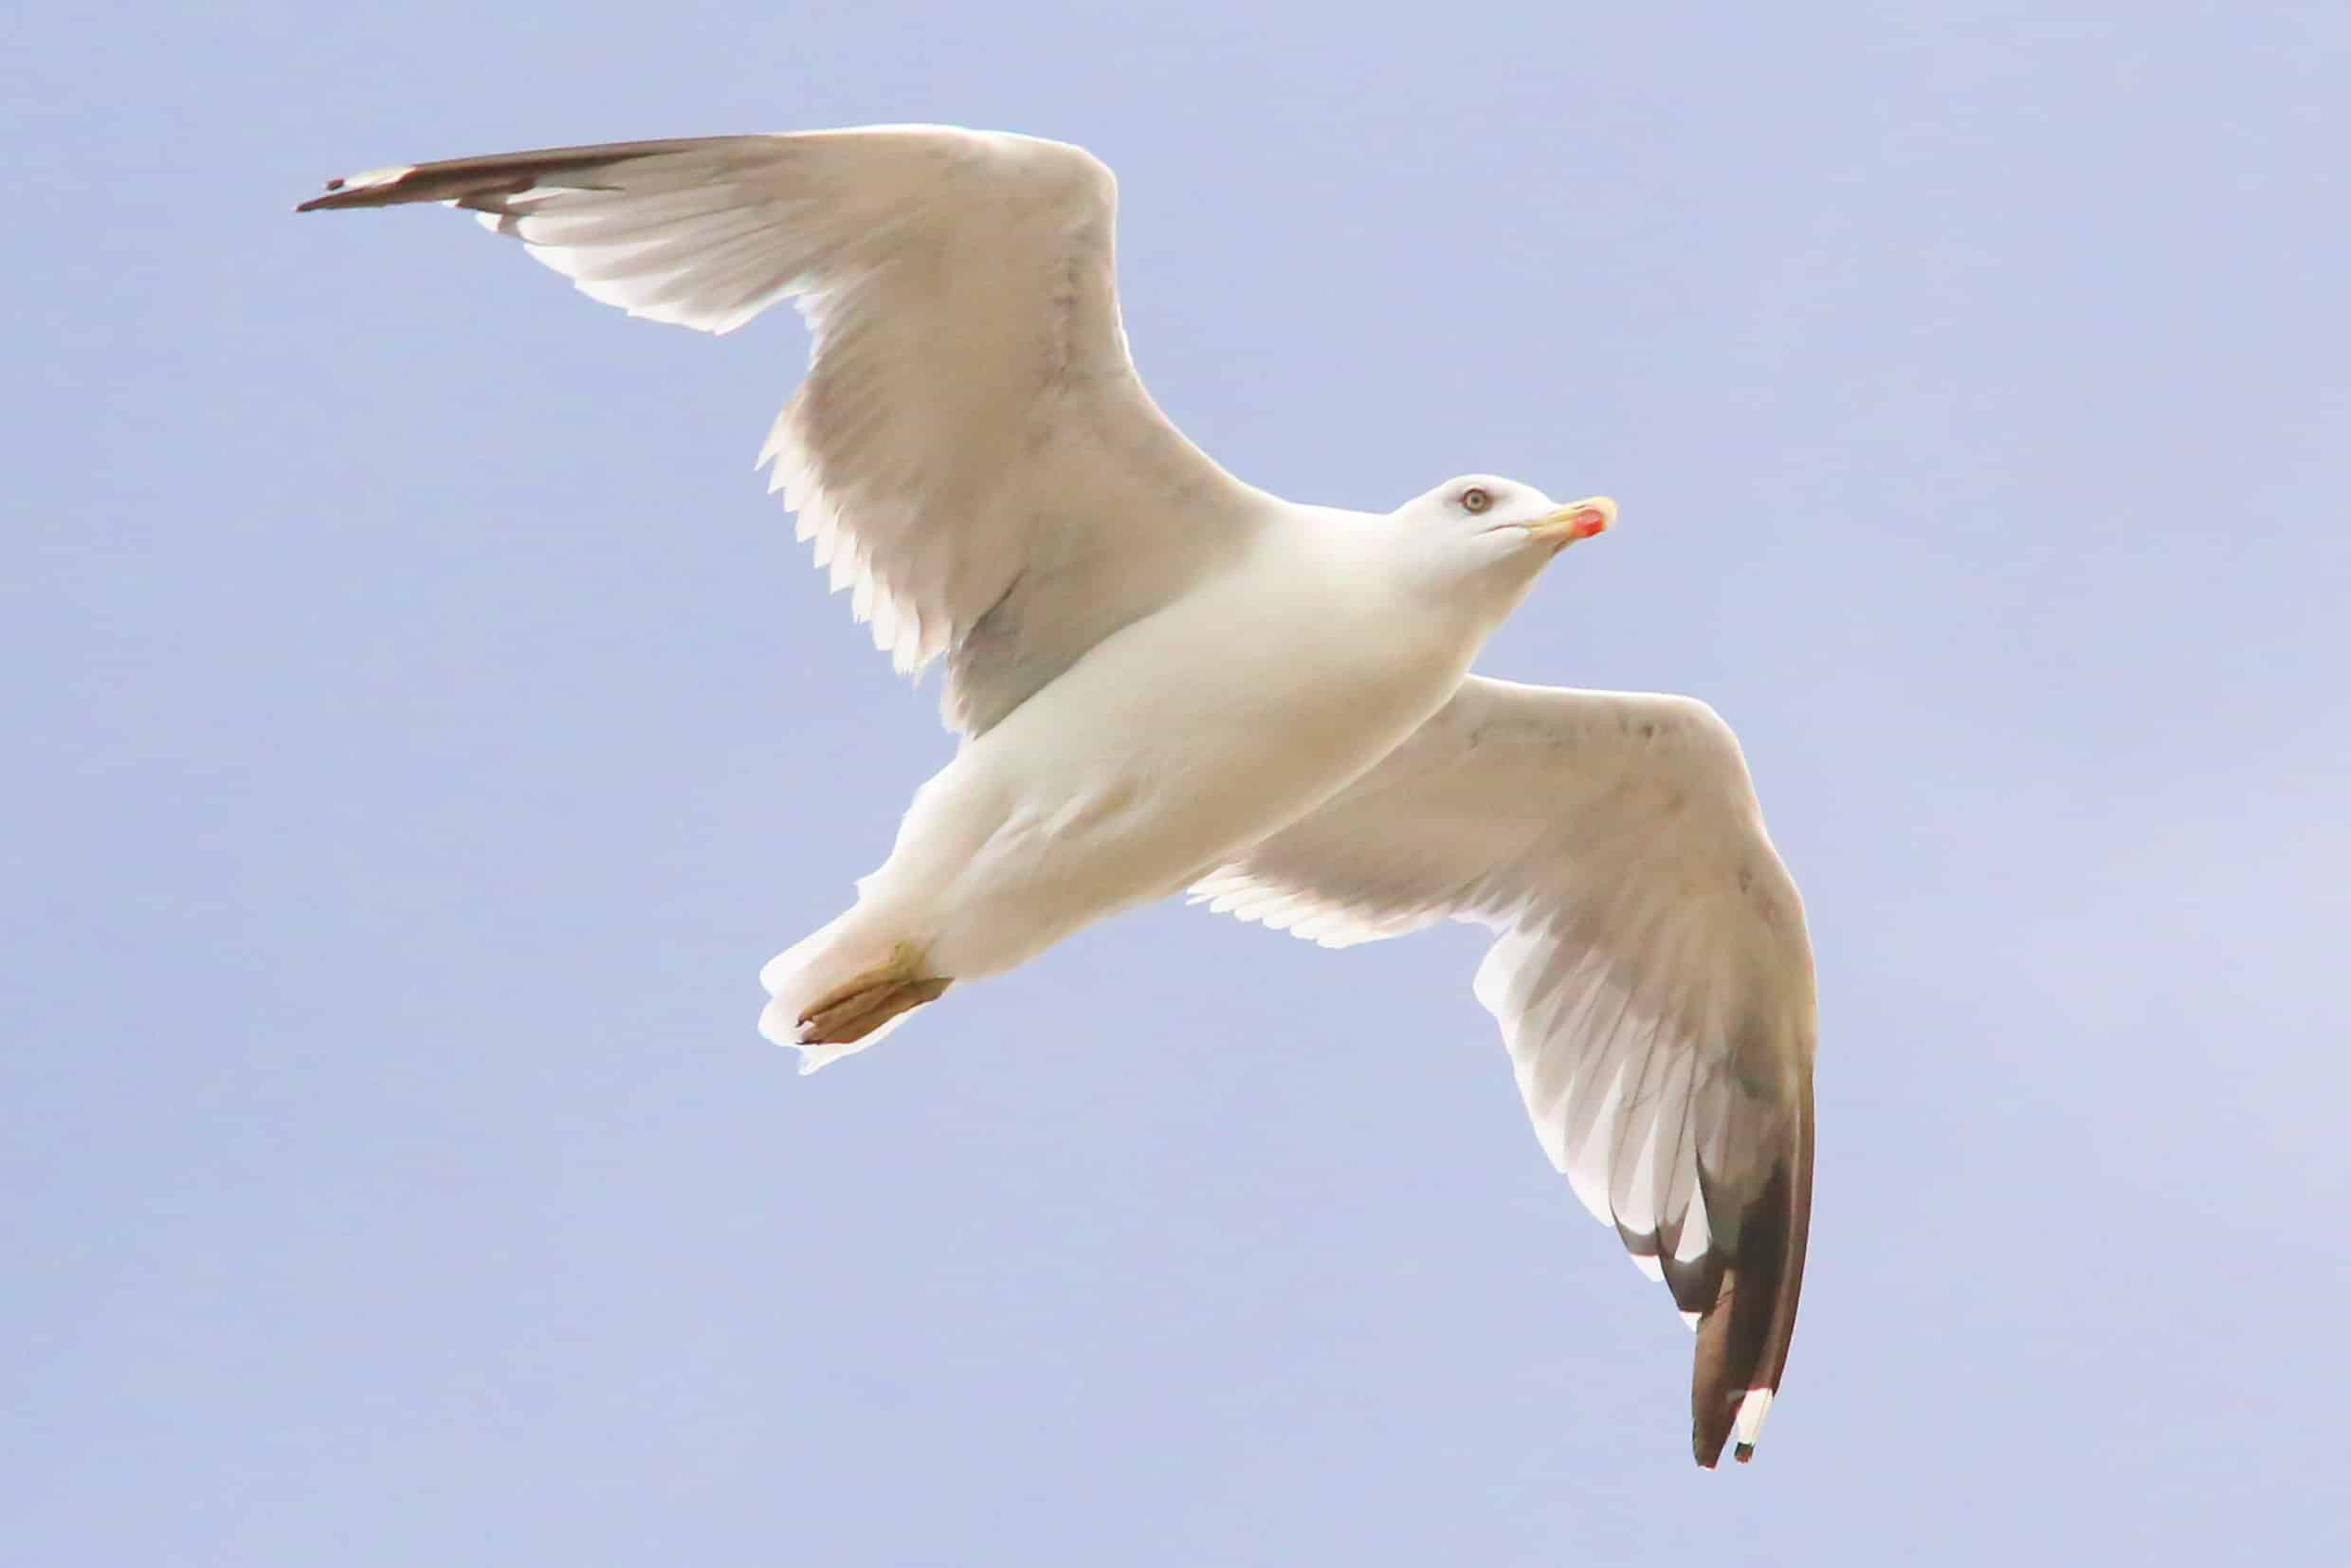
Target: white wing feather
<point>971,443</point>
<point>1652,977</point>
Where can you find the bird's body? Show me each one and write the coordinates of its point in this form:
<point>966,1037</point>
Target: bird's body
<point>1165,677</point>
<point>1091,796</point>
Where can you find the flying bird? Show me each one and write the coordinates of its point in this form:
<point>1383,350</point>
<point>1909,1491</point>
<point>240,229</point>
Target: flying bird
<point>1165,678</point>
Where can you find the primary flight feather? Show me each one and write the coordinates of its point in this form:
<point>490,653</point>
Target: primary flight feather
<point>1166,679</point>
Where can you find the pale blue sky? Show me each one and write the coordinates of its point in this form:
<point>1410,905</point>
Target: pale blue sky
<point>426,726</point>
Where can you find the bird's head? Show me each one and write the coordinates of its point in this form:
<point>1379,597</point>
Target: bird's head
<point>1496,530</point>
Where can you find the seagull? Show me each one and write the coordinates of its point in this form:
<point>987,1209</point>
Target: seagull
<point>1164,678</point>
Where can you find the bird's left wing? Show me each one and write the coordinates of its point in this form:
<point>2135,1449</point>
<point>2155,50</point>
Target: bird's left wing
<point>972,451</point>
<point>1653,979</point>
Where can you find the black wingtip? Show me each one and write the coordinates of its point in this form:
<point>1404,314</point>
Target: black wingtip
<point>338,193</point>
<point>469,182</point>
<point>1742,1337</point>
<point>341,192</point>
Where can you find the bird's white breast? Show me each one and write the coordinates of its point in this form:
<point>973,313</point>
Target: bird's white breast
<point>1171,744</point>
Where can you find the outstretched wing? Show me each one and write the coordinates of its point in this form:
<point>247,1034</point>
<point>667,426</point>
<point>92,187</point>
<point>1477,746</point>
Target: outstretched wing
<point>972,451</point>
<point>1652,979</point>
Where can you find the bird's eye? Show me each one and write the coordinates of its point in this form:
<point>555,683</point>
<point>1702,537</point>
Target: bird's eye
<point>1475,499</point>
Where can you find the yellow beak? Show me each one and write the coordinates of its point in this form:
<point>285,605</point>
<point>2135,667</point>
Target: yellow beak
<point>1579,520</point>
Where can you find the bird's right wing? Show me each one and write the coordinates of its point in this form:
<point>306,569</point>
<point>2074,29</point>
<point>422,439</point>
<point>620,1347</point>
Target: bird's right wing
<point>1652,979</point>
<point>971,450</point>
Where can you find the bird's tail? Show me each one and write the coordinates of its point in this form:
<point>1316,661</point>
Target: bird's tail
<point>842,988</point>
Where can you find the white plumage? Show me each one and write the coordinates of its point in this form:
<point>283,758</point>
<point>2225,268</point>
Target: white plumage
<point>1164,677</point>
<point>1651,978</point>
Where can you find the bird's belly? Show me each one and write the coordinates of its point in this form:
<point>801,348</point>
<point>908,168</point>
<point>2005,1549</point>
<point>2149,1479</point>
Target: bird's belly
<point>1168,749</point>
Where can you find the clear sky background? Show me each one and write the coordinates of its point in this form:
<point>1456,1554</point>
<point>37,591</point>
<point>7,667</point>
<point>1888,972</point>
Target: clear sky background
<point>423,727</point>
